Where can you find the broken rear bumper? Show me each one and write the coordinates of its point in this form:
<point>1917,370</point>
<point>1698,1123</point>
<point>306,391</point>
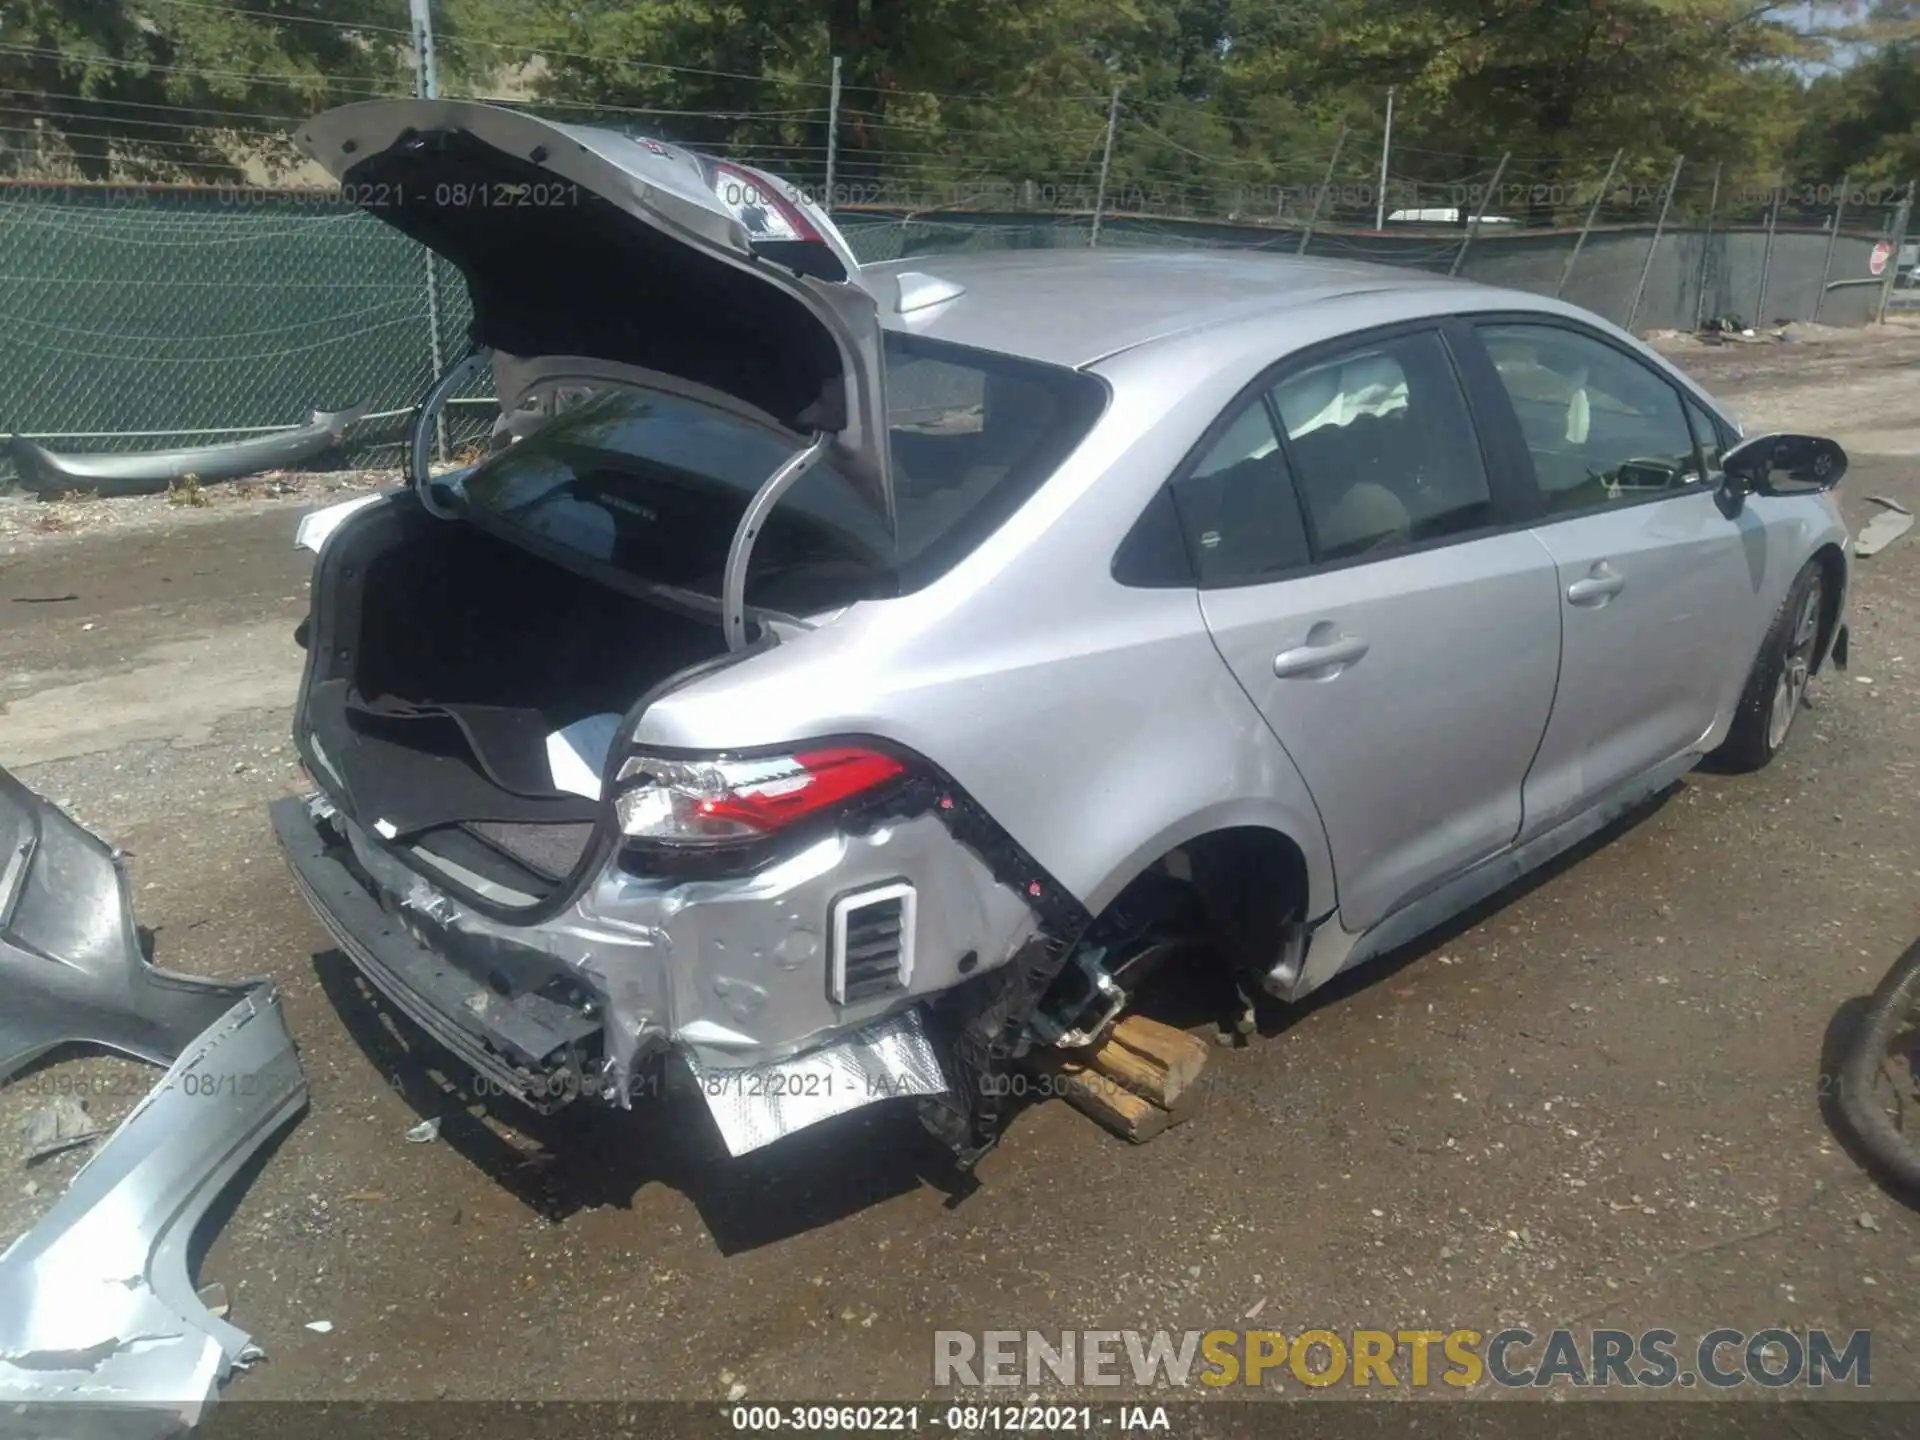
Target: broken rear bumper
<point>96,1307</point>
<point>521,1039</point>
<point>734,974</point>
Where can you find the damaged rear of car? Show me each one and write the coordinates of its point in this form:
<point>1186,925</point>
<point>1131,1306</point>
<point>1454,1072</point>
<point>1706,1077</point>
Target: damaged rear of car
<point>709,449</point>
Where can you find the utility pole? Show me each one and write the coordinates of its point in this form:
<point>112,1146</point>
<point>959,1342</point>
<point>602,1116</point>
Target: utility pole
<point>1901,219</point>
<point>833,135</point>
<point>426,85</point>
<point>1479,214</point>
<point>1766,259</point>
<point>1833,239</point>
<point>1320,195</point>
<point>1593,211</point>
<point>1653,245</point>
<point>1386,149</point>
<point>1706,251</point>
<point>426,80</point>
<point>1106,164</point>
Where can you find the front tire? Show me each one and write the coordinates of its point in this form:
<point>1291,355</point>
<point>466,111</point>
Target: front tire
<point>1777,688</point>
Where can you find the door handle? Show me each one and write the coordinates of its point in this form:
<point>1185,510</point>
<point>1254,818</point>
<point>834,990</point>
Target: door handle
<point>1601,584</point>
<point>1319,661</point>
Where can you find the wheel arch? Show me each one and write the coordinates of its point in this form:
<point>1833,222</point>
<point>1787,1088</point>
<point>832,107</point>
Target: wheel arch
<point>1296,834</point>
<point>1255,883</point>
<point>1832,561</point>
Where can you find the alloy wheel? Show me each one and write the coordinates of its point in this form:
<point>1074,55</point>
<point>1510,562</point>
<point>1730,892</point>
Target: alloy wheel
<point>1791,688</point>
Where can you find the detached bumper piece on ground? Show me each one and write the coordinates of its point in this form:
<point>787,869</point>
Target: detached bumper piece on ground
<point>113,475</point>
<point>100,1327</point>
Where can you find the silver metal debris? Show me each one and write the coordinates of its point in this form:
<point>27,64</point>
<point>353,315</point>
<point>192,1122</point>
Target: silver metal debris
<point>96,1305</point>
<point>95,1301</point>
<point>1893,521</point>
<point>756,1105</point>
<point>60,1124</point>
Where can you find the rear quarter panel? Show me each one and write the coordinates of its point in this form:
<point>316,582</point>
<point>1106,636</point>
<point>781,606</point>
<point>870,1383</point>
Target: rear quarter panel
<point>1095,722</point>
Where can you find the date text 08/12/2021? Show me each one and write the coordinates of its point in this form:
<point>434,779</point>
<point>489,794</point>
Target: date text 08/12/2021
<point>962,1419</point>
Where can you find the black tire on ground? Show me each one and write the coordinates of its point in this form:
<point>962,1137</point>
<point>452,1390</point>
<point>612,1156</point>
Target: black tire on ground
<point>1778,682</point>
<point>1888,1014</point>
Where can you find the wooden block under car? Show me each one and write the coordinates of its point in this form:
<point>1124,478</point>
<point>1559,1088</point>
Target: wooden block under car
<point>1138,1082</point>
<point>1152,1059</point>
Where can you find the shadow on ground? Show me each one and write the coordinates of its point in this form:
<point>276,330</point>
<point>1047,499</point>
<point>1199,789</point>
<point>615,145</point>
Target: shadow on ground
<point>588,1156</point>
<point>1199,993</point>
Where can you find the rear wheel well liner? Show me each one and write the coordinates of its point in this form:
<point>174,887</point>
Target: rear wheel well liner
<point>1253,886</point>
<point>1833,584</point>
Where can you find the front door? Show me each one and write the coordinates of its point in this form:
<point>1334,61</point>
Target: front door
<point>1403,654</point>
<point>1654,580</point>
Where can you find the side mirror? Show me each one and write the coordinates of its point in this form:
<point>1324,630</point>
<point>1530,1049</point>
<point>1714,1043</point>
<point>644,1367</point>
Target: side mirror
<point>1784,465</point>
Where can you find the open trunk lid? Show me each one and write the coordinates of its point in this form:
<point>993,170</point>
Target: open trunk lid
<point>582,242</point>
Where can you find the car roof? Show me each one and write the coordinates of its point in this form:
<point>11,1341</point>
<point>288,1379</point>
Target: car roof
<point>1075,307</point>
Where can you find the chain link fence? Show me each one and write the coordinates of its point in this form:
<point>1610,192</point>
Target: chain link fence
<point>155,317</point>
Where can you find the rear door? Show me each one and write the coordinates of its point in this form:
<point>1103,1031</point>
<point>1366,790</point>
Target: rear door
<point>1346,530</point>
<point>1654,580</point>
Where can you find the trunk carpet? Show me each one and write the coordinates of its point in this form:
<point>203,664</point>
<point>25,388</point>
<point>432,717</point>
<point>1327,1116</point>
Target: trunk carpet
<point>420,771</point>
<point>551,851</point>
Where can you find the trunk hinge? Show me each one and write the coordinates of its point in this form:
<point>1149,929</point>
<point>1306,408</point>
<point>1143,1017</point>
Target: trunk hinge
<point>436,399</point>
<point>733,587</point>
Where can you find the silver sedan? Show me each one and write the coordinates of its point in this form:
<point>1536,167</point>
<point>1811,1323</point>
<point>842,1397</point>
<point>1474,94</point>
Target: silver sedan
<point>879,669</point>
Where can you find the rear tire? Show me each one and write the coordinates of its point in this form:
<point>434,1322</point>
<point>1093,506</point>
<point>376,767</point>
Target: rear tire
<point>1777,688</point>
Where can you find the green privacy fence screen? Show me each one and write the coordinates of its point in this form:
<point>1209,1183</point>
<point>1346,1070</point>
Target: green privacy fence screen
<point>135,318</point>
<point>145,318</point>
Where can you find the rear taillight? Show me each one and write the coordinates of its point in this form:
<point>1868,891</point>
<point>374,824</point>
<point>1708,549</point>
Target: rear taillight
<point>757,203</point>
<point>722,801</point>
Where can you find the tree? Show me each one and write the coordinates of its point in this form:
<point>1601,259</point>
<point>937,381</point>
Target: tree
<point>163,88</point>
<point>1864,121</point>
<point>1560,85</point>
<point>1228,106</point>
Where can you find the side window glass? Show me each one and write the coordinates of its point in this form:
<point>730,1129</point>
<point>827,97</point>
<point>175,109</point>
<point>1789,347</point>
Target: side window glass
<point>1706,435</point>
<point>1382,447</point>
<point>1237,508</point>
<point>1601,426</point>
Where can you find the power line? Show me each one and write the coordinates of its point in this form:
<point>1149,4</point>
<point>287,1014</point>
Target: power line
<point>543,52</point>
<point>68,116</point>
<point>288,120</point>
<point>291,81</point>
<point>516,103</point>
<point>195,147</point>
<point>337,25</point>
<point>870,120</point>
<point>547,52</point>
<point>1167,139</point>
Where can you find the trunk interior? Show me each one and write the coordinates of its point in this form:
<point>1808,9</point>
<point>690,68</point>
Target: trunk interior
<point>443,658</point>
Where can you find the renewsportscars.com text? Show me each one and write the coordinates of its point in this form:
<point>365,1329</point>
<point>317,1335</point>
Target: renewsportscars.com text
<point>1459,1359</point>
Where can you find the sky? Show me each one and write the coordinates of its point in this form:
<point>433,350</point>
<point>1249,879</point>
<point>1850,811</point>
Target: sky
<point>1815,16</point>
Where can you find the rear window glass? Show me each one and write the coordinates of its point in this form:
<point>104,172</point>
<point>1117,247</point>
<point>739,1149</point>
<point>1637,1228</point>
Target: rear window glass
<point>653,484</point>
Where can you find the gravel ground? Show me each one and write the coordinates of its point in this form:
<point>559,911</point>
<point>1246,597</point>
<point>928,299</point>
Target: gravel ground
<point>28,524</point>
<point>1595,1102</point>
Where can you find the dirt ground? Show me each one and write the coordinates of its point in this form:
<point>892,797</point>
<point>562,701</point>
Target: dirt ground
<point>1596,1103</point>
